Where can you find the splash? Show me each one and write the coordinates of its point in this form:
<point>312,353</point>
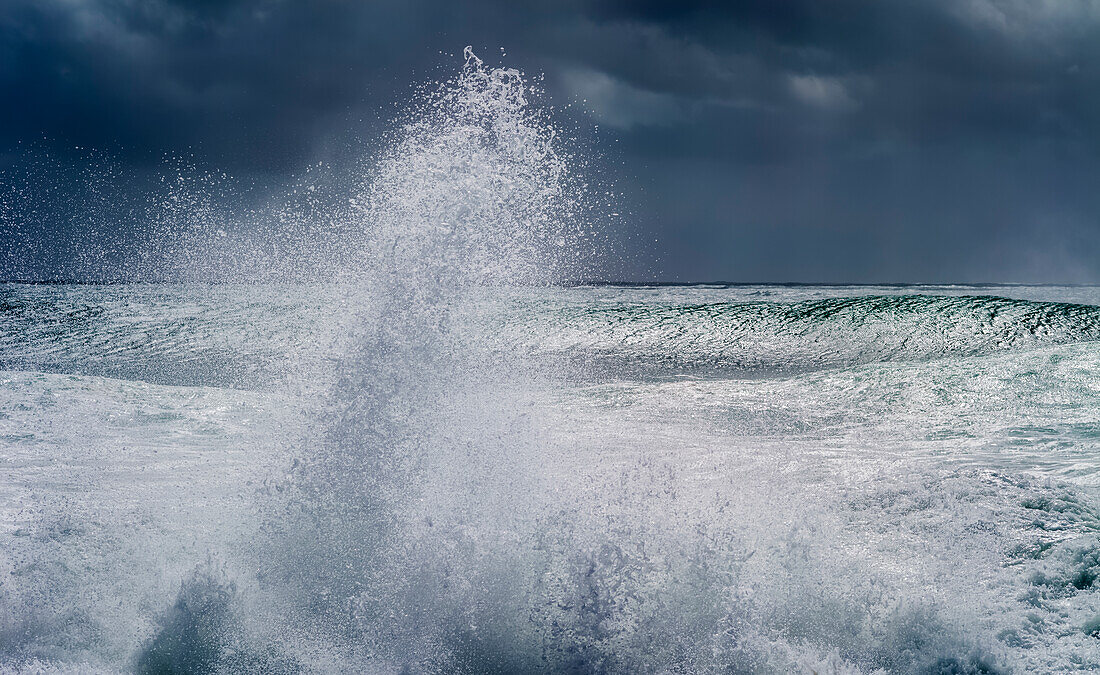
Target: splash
<point>452,501</point>
<point>438,523</point>
<point>442,518</point>
<point>474,191</point>
<point>471,195</point>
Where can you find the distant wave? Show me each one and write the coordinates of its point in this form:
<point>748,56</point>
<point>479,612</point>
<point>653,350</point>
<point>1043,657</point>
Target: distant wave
<point>770,336</point>
<point>230,336</point>
<point>245,337</point>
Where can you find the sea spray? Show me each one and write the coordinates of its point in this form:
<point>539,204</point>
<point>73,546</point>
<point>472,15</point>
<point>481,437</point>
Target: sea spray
<point>471,195</point>
<point>444,520</point>
<point>435,525</point>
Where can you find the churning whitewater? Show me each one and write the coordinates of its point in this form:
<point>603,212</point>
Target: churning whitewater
<point>444,460</point>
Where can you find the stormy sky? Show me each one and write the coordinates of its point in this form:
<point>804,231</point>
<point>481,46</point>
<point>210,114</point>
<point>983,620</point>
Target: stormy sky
<point>765,140</point>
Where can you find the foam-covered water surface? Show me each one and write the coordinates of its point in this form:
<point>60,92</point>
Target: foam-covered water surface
<point>920,497</point>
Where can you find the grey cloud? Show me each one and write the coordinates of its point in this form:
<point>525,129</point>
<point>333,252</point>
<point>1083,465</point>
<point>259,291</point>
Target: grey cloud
<point>621,105</point>
<point>731,126</point>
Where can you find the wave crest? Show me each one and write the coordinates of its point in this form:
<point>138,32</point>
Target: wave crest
<point>777,337</point>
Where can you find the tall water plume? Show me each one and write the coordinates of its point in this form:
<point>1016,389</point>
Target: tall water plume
<point>472,194</point>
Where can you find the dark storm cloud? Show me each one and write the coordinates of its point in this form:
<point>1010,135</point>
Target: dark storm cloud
<point>257,80</point>
<point>794,140</point>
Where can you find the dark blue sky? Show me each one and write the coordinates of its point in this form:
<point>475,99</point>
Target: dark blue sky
<point>770,140</point>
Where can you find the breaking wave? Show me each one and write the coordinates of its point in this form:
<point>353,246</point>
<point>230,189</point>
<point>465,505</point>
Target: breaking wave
<point>776,337</point>
<point>249,337</point>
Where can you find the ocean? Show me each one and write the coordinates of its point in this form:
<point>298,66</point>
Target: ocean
<point>694,478</point>
<point>446,458</point>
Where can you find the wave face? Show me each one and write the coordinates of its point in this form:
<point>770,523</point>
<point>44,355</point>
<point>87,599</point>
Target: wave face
<point>442,463</point>
<point>254,337</point>
<point>821,333</point>
<point>193,334</point>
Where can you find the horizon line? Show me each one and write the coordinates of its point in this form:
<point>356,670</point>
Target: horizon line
<point>574,283</point>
